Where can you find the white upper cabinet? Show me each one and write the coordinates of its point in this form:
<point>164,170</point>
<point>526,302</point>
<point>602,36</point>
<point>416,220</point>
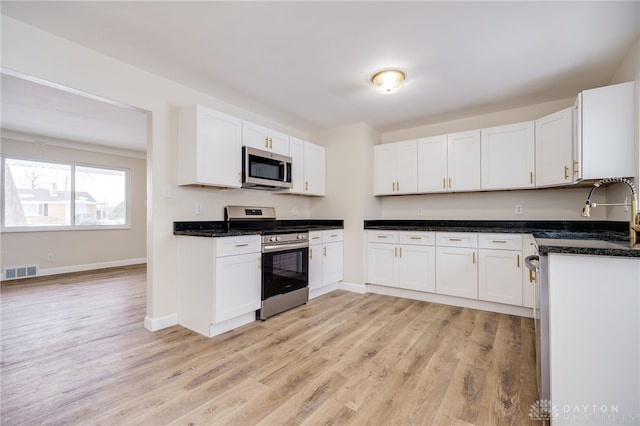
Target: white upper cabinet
<point>605,120</point>
<point>209,148</point>
<point>554,149</point>
<point>463,161</point>
<point>432,164</point>
<point>260,137</point>
<point>395,168</point>
<point>508,156</point>
<point>308,168</point>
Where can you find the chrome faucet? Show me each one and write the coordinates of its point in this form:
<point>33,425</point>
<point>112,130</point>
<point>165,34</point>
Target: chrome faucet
<point>634,221</point>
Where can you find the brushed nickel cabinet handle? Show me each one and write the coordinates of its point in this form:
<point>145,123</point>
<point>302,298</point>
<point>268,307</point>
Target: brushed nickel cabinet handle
<point>416,238</point>
<point>259,262</point>
<point>566,172</point>
<point>449,183</point>
<point>400,251</point>
<point>310,253</point>
<point>473,255</point>
<point>242,245</point>
<point>531,177</point>
<point>575,167</point>
<point>266,142</point>
<point>395,252</point>
<point>382,236</point>
<point>518,261</point>
<point>499,241</point>
<point>324,250</point>
<point>455,239</point>
<point>444,183</point>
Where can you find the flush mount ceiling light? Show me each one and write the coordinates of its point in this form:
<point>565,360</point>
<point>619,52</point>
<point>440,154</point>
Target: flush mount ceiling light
<point>388,82</point>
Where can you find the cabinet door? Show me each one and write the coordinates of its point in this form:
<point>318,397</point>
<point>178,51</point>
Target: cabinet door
<point>608,120</point>
<point>381,264</point>
<point>508,156</point>
<point>417,268</point>
<point>554,149</point>
<point>255,136</point>
<point>278,142</point>
<point>209,152</point>
<point>463,161</point>
<point>237,286</point>
<point>332,263</point>
<point>457,272</point>
<point>384,169</point>
<point>296,152</point>
<point>432,164</point>
<point>406,167</point>
<point>500,276</point>
<point>315,169</point>
<point>315,266</point>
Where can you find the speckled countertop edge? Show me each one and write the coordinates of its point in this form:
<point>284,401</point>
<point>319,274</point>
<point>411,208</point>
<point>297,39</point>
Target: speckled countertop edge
<point>595,238</point>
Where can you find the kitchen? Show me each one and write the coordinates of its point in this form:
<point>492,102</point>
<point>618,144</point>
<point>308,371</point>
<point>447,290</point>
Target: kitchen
<point>349,190</point>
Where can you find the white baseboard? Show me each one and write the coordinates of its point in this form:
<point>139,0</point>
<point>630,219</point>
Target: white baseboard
<point>155,324</point>
<point>317,292</point>
<point>451,300</point>
<point>356,288</point>
<point>89,266</point>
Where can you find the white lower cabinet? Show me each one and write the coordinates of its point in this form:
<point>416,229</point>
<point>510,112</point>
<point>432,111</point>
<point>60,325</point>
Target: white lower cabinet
<point>326,258</point>
<point>500,268</point>
<point>487,267</point>
<point>237,286</point>
<point>218,282</point>
<point>403,260</point>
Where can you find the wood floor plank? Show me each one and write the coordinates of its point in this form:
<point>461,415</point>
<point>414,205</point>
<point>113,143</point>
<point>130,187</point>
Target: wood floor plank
<point>74,351</point>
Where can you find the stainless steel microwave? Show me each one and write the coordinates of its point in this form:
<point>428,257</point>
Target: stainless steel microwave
<point>265,170</point>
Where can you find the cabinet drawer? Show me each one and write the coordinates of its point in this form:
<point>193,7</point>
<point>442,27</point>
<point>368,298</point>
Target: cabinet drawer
<point>418,238</point>
<point>457,239</point>
<point>332,235</point>
<point>390,237</point>
<point>315,237</point>
<point>500,241</point>
<point>230,246</point>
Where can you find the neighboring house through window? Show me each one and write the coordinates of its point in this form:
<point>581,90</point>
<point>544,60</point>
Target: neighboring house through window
<point>45,194</point>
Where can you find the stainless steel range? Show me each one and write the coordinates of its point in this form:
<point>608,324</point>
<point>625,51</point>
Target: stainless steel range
<point>285,258</point>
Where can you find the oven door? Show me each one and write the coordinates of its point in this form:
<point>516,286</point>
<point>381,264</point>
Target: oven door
<point>284,271</point>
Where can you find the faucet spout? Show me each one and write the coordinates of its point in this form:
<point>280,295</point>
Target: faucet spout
<point>634,220</point>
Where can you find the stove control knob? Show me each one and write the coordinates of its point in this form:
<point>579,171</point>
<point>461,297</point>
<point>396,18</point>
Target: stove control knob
<point>278,238</point>
<point>273,239</point>
<point>300,236</point>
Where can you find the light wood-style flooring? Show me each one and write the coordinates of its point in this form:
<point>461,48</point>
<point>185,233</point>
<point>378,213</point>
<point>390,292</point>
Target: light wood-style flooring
<point>74,351</point>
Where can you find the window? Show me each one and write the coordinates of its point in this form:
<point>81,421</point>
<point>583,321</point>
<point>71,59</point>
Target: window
<point>41,194</point>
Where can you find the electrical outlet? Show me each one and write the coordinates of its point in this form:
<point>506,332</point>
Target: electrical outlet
<point>294,211</point>
<point>420,211</point>
<point>519,209</point>
<point>166,191</point>
<point>50,257</point>
<point>199,209</point>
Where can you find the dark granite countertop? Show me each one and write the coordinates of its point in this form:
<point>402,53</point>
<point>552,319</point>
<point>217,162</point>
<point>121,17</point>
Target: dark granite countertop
<point>217,229</point>
<point>599,238</point>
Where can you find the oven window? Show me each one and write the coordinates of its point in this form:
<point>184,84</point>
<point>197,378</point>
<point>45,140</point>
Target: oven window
<point>266,168</point>
<point>284,271</point>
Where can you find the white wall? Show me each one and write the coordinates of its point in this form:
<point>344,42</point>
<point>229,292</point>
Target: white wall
<point>30,51</point>
<point>350,190</point>
<point>78,249</point>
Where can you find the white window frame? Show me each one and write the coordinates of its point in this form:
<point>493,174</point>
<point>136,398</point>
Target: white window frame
<point>72,210</point>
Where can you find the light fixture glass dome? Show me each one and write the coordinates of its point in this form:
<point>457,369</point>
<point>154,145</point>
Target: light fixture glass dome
<point>388,82</point>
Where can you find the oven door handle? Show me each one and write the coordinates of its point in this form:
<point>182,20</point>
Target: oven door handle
<point>283,247</point>
<point>528,261</point>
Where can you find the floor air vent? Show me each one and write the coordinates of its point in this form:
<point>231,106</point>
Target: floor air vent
<point>16,272</point>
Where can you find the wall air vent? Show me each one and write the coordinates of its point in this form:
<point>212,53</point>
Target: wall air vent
<point>16,272</point>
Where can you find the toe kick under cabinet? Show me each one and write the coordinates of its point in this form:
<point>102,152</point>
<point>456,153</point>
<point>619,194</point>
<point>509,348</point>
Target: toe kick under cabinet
<point>483,270</point>
<point>218,282</point>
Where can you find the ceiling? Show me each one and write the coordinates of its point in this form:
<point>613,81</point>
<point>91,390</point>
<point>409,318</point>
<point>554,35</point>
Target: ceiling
<point>308,64</point>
